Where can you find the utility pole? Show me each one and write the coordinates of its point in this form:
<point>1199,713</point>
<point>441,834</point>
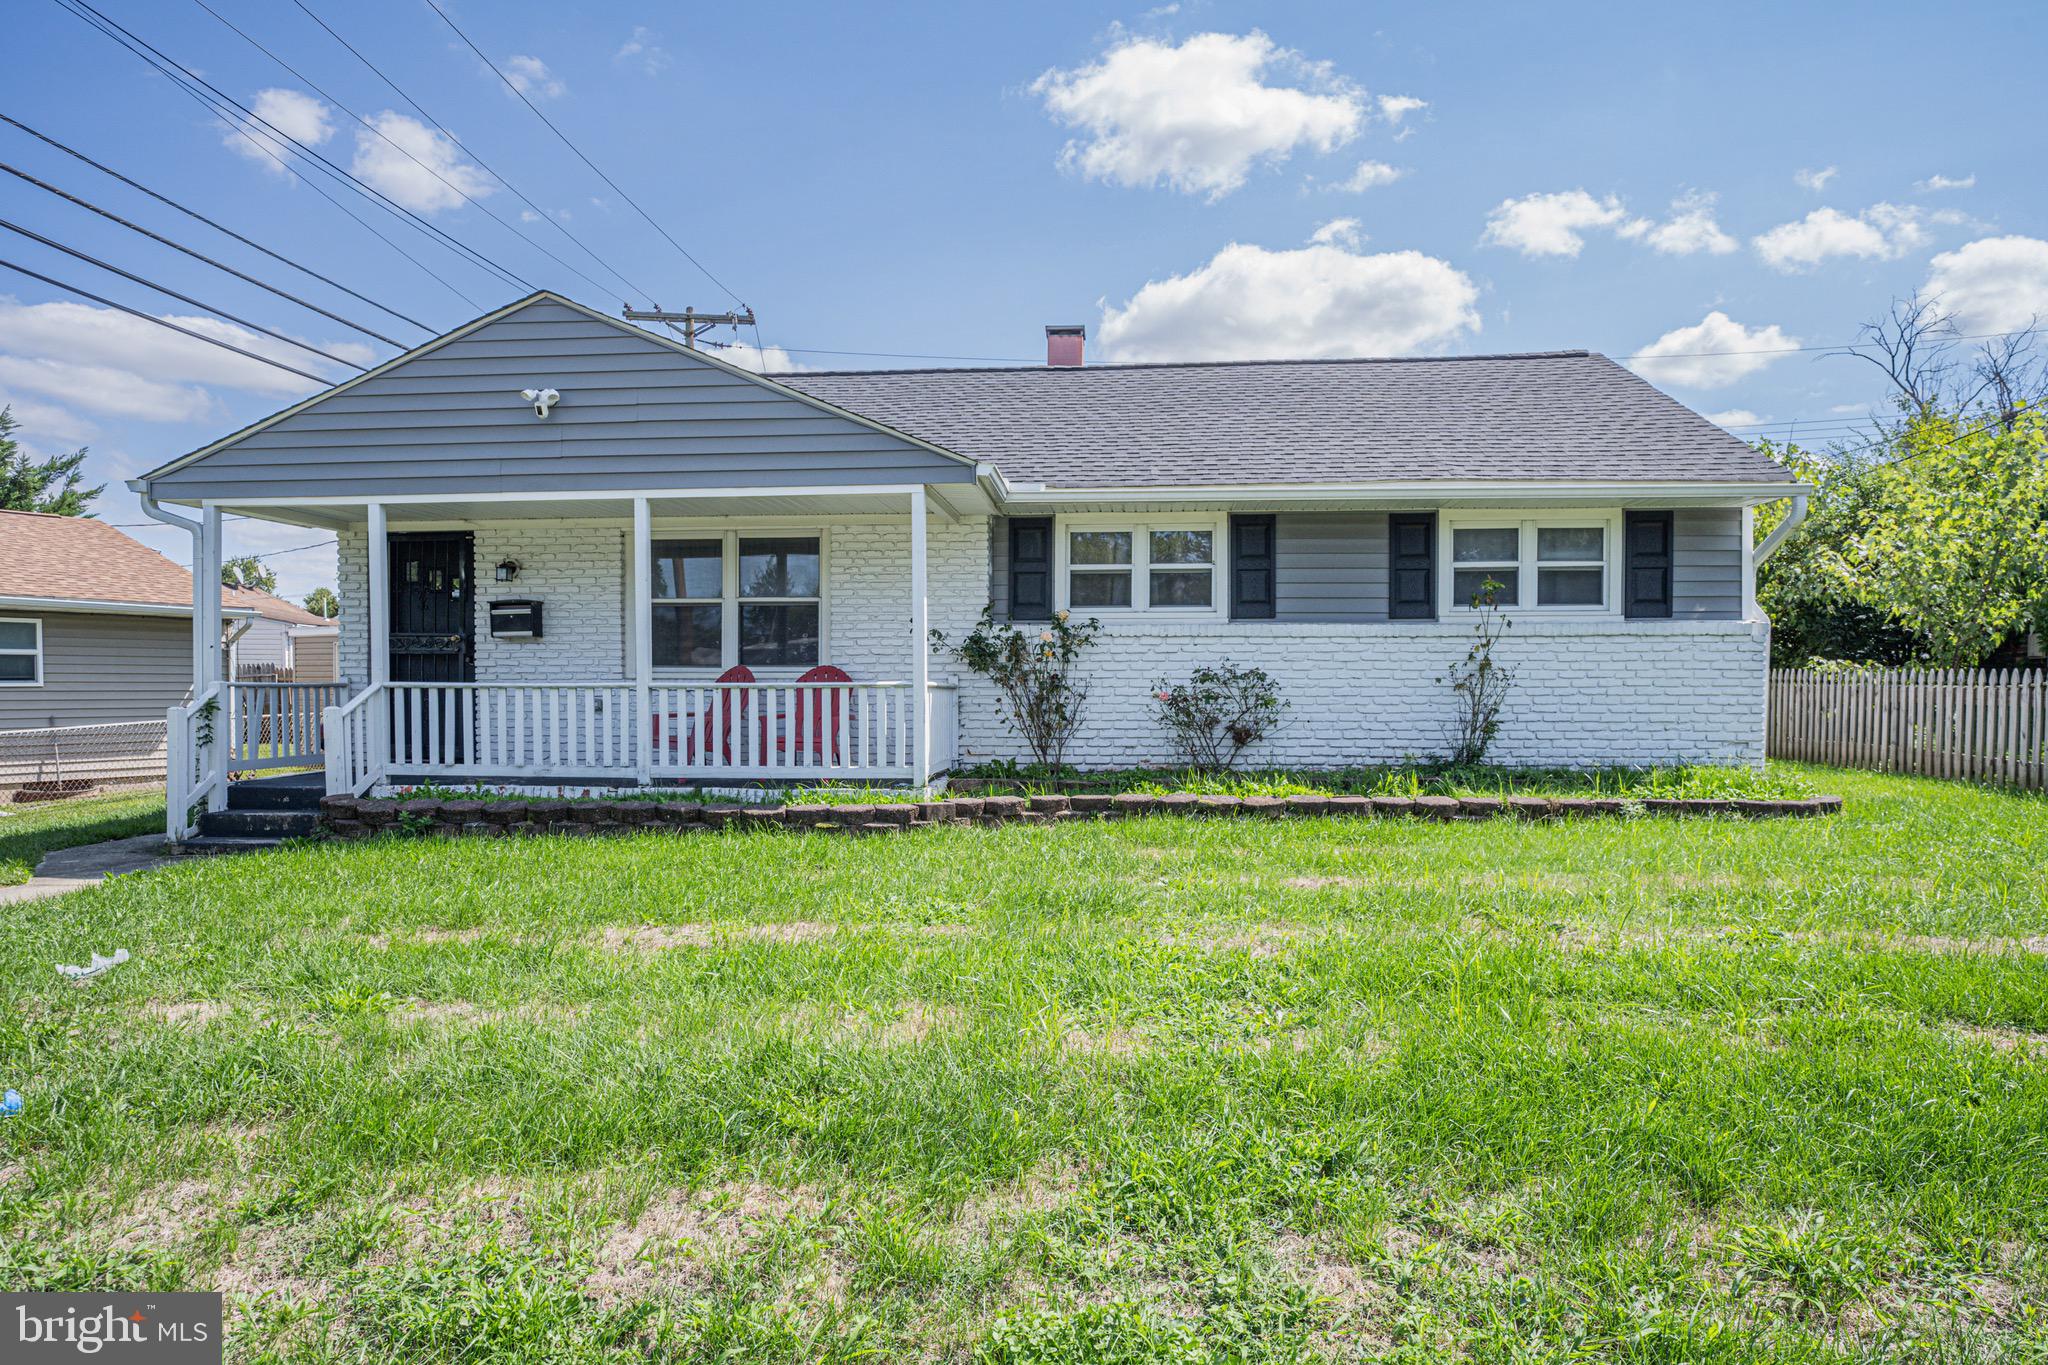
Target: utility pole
<point>693,324</point>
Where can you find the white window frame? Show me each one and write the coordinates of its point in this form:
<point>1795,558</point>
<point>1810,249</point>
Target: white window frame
<point>1527,524</point>
<point>1141,525</point>
<point>35,653</point>
<point>730,534</point>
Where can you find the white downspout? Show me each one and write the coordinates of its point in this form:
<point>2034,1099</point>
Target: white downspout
<point>198,533</point>
<point>1779,532</point>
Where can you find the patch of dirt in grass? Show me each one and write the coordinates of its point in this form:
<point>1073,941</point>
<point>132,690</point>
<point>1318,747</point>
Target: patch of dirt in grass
<point>12,1172</point>
<point>262,1267</point>
<point>192,1013</point>
<point>647,938</point>
<point>1261,940</point>
<point>1941,944</point>
<point>1320,883</point>
<point>2023,1041</point>
<point>1114,1042</point>
<point>1352,1300</point>
<point>675,1242</point>
<point>909,1023</point>
<point>1041,1189</point>
<point>468,1012</point>
<point>167,1216</point>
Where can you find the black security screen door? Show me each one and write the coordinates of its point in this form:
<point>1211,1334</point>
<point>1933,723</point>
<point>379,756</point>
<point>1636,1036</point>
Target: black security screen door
<point>433,616</point>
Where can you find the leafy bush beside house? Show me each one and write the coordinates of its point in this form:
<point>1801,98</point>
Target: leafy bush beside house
<point>1033,670</point>
<point>1218,713</point>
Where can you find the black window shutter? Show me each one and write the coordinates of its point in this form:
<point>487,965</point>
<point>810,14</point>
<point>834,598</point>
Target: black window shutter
<point>1252,596</point>
<point>1411,566</point>
<point>1030,568</point>
<point>1647,563</point>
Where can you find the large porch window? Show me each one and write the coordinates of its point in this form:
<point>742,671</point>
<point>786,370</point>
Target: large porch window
<point>737,597</point>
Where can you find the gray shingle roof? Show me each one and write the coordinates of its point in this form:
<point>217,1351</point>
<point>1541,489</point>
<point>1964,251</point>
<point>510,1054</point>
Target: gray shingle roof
<point>1552,415</point>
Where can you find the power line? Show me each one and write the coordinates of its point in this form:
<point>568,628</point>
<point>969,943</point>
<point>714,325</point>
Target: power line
<point>90,259</point>
<point>399,90</point>
<point>407,152</point>
<point>510,85</point>
<point>219,103</point>
<point>217,265</point>
<point>217,227</point>
<point>163,322</point>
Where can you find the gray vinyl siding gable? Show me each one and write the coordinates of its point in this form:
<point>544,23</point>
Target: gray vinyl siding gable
<point>100,668</point>
<point>1706,564</point>
<point>633,414</point>
<point>1330,567</point>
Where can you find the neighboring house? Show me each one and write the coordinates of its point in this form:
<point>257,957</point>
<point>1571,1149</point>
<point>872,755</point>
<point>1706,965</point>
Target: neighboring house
<point>95,631</point>
<point>669,516</point>
<point>280,640</point>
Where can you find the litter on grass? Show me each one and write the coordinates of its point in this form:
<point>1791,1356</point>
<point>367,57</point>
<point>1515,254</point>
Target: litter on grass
<point>10,1103</point>
<point>99,965</point>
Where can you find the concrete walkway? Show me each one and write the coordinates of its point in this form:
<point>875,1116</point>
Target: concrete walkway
<point>71,869</point>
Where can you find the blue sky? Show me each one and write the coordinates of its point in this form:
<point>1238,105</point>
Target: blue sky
<point>1194,181</point>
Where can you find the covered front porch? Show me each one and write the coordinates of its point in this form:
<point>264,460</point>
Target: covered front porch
<point>700,637</point>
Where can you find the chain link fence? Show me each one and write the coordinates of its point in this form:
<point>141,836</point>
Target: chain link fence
<point>70,760</point>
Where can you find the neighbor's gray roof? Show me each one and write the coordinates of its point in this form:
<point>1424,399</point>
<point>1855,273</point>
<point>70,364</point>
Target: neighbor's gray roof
<point>1552,415</point>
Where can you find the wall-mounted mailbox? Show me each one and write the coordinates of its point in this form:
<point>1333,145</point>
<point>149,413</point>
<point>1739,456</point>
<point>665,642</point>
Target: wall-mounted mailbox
<point>515,619</point>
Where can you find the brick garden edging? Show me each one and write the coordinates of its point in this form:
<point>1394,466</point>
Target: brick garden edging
<point>344,817</point>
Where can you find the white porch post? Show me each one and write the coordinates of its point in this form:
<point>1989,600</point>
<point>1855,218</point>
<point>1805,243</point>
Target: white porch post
<point>377,621</point>
<point>206,613</point>
<point>920,651</point>
<point>637,564</point>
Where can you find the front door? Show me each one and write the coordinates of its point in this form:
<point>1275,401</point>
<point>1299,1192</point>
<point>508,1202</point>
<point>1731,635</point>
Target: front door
<point>433,640</point>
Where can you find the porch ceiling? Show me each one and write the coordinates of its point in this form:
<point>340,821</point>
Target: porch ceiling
<point>961,499</point>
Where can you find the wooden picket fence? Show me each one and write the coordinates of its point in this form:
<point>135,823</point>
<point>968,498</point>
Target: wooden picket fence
<point>1975,725</point>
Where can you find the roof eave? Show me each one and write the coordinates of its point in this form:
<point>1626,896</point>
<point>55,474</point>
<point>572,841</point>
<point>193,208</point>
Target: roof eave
<point>1506,490</point>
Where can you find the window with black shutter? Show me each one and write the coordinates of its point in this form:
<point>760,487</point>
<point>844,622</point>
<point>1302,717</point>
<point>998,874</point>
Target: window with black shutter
<point>1030,568</point>
<point>1411,566</point>
<point>1252,596</point>
<point>1647,555</point>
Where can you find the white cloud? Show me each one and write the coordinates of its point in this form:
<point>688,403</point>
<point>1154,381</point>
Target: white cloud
<point>433,177</point>
<point>1994,284</point>
<point>293,113</point>
<point>1882,232</point>
<point>1338,232</point>
<point>1549,224</point>
<point>1712,354</point>
<point>1395,108</point>
<point>1369,175</point>
<point>1200,115</point>
<point>1815,180</point>
<point>1934,183</point>
<point>1689,230</point>
<point>1735,417</point>
<point>530,76</point>
<point>44,426</point>
<point>643,49</point>
<point>107,362</point>
<point>1321,300</point>
<point>766,360</point>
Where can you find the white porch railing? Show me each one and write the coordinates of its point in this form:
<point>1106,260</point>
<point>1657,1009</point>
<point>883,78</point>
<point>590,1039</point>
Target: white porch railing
<point>277,725</point>
<point>194,778</point>
<point>546,732</point>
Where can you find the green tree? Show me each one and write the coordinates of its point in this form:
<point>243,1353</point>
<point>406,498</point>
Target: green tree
<point>27,485</point>
<point>248,572</point>
<point>323,602</point>
<point>1955,547</point>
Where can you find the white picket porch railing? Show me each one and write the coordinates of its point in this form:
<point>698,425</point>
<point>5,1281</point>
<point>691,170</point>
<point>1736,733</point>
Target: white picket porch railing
<point>195,778</point>
<point>577,731</point>
<point>277,725</point>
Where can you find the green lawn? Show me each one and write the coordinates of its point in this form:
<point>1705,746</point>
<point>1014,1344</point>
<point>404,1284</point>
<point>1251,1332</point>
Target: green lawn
<point>29,831</point>
<point>1165,1090</point>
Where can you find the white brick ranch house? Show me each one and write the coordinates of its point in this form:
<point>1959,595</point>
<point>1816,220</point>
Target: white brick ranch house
<point>567,592</point>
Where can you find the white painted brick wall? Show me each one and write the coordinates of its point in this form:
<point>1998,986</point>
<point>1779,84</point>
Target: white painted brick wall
<point>1586,693</point>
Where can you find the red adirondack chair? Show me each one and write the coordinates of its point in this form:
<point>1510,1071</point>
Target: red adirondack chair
<point>813,727</point>
<point>732,700</point>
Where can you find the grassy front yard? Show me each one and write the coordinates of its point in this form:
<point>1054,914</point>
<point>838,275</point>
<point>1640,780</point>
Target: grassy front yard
<point>1163,1090</point>
<point>29,831</point>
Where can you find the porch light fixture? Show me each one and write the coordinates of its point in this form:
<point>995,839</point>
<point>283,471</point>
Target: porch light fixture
<point>508,569</point>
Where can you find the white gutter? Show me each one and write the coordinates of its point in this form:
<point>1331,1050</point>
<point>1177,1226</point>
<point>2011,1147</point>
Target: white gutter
<point>1434,491</point>
<point>1780,531</point>
<point>94,605</point>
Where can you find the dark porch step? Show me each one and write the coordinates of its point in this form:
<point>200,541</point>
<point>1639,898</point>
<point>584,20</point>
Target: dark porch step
<point>298,792</point>
<point>228,843</point>
<point>259,824</point>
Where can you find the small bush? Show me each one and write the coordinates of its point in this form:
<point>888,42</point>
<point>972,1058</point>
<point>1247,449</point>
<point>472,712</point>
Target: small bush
<point>1218,713</point>
<point>1034,671</point>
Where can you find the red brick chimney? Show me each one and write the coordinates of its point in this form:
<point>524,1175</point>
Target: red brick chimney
<point>1063,343</point>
